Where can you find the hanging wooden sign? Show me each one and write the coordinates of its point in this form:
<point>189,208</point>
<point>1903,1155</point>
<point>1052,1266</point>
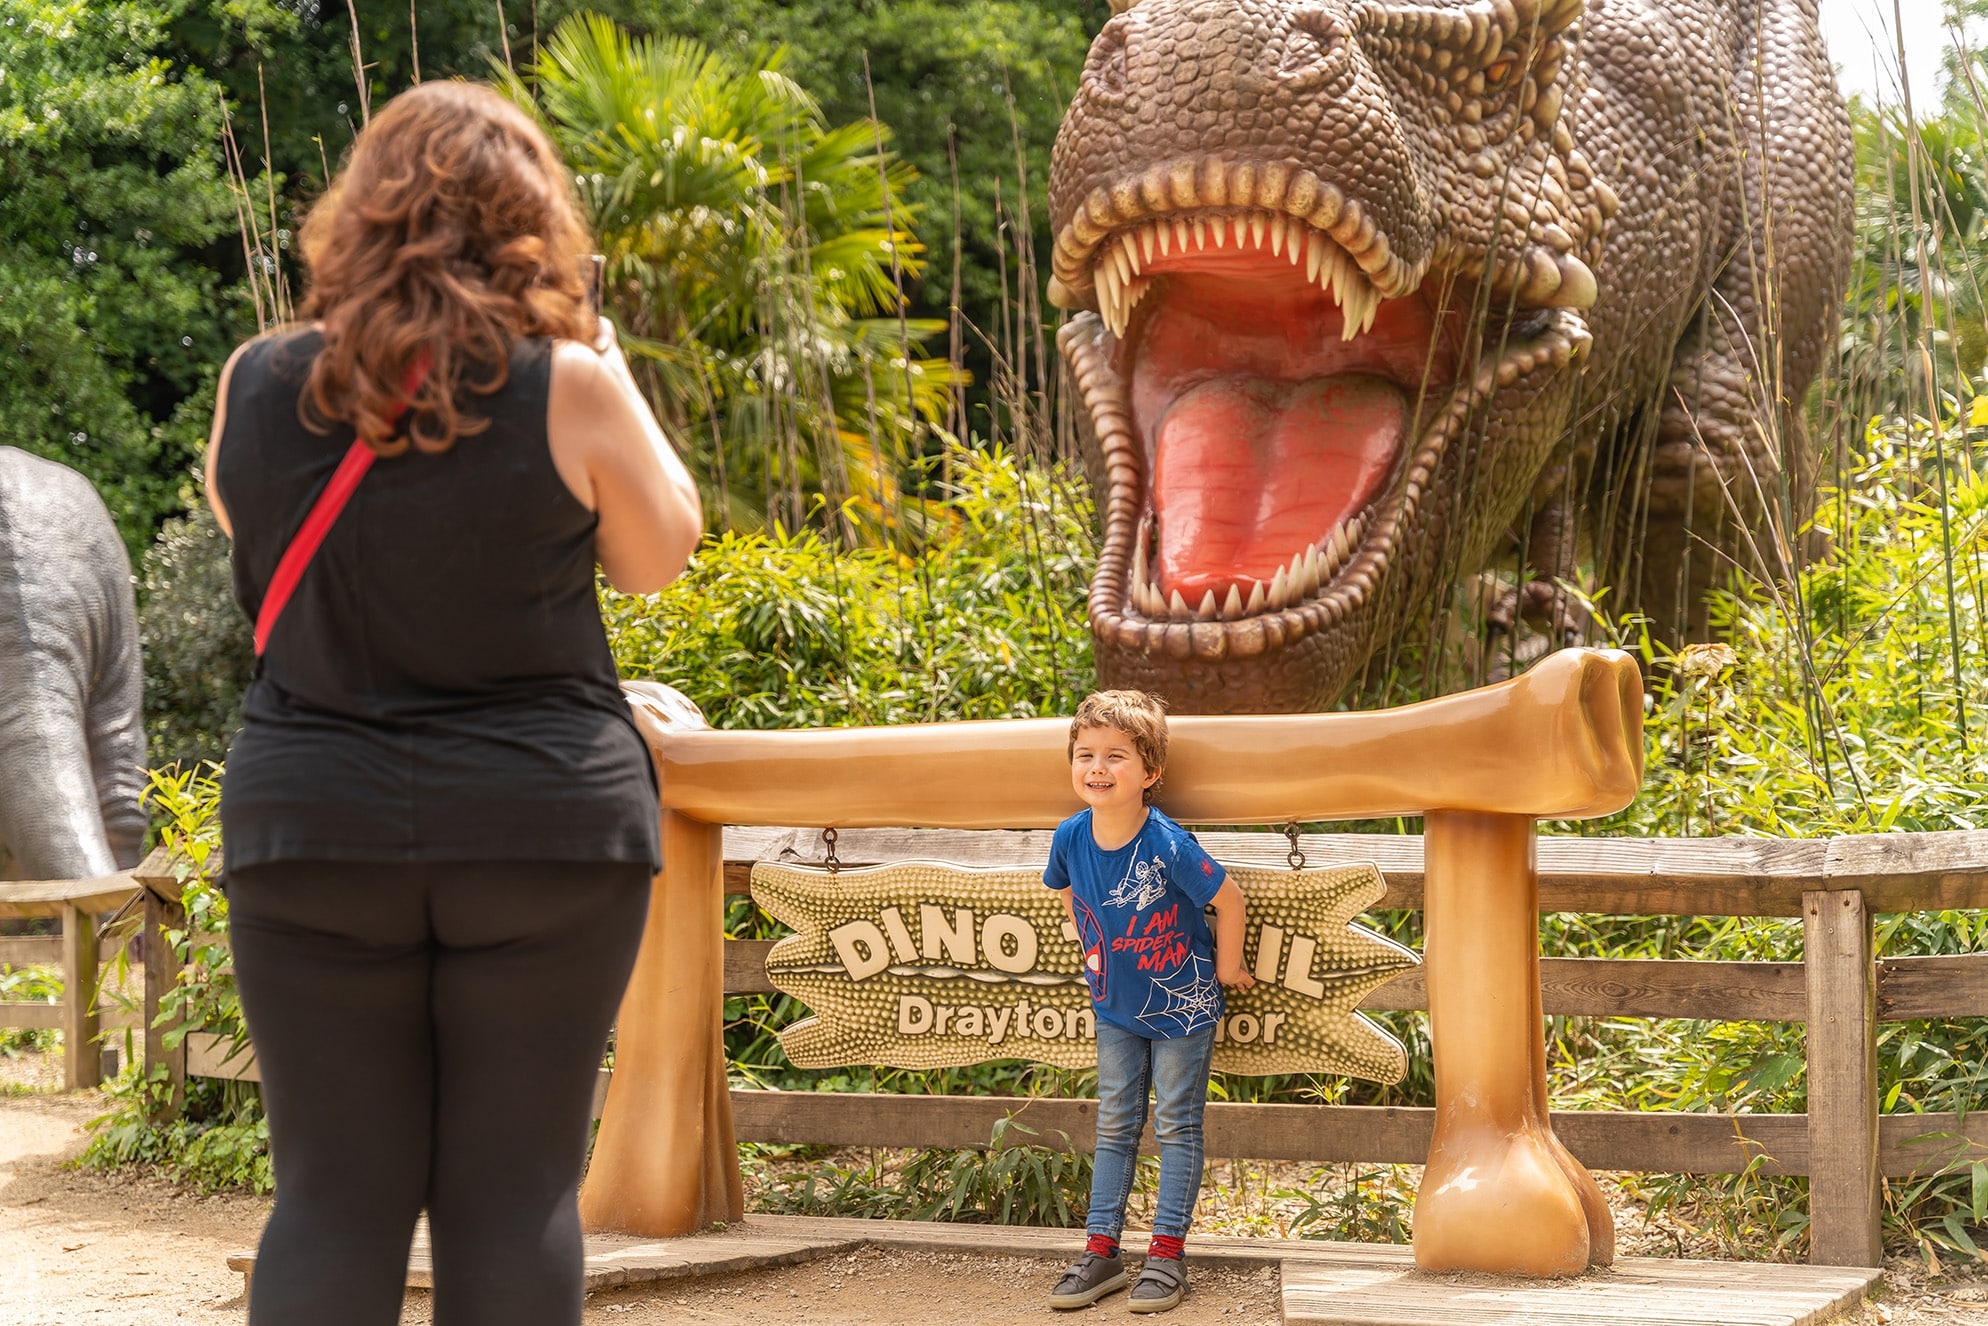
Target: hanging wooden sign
<point>921,964</point>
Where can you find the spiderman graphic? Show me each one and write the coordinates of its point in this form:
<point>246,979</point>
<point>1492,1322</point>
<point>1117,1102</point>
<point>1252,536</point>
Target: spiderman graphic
<point>1090,934</point>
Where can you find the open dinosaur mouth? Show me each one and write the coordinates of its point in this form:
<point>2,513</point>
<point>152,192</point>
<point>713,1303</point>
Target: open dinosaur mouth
<point>1272,388</point>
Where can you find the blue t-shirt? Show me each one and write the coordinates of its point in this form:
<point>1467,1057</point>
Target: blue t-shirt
<point>1148,953</point>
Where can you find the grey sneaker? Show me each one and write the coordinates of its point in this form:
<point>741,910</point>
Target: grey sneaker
<point>1089,1279</point>
<point>1161,1285</point>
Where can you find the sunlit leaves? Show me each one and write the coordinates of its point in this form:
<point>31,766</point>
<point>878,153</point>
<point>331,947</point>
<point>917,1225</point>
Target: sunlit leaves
<point>756,257</point>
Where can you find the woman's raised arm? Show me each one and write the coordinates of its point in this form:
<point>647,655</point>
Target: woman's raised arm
<point>614,456</point>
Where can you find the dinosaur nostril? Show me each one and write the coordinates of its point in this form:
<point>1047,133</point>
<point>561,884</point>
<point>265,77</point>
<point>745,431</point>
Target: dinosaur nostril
<point>1104,71</point>
<point>1313,45</point>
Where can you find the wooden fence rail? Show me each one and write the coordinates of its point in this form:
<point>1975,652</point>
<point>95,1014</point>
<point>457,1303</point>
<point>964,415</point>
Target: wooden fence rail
<point>1841,991</point>
<point>79,1017</point>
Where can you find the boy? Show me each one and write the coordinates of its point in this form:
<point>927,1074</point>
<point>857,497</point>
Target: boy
<point>1135,884</point>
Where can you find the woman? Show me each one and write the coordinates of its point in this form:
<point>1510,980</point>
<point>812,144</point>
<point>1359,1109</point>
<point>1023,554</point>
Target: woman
<point>440,821</point>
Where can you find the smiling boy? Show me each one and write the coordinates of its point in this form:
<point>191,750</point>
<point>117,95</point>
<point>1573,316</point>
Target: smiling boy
<point>1136,885</point>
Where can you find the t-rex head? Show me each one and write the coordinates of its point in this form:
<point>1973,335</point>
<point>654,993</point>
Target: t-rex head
<point>1335,257</point>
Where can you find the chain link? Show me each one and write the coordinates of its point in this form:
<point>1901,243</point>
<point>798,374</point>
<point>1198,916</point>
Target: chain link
<point>830,859</point>
<point>1296,855</point>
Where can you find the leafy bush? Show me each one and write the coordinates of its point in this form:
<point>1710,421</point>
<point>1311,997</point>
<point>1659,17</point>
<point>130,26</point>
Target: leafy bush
<point>221,1139</point>
<point>755,257</point>
<point>1849,700</point>
<point>780,630</point>
<point>112,202</point>
<point>29,985</point>
<point>198,649</point>
<point>1031,1182</point>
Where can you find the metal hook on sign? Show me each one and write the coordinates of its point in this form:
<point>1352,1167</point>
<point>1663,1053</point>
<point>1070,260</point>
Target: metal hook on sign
<point>1296,856</point>
<point>829,858</point>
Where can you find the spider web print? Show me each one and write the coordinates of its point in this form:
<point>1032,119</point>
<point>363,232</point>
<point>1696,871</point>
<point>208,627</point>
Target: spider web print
<point>1186,1002</point>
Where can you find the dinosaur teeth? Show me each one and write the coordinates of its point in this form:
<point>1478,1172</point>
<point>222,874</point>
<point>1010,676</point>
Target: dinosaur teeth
<point>1119,292</point>
<point>1137,581</point>
<point>1122,262</point>
<point>1296,586</point>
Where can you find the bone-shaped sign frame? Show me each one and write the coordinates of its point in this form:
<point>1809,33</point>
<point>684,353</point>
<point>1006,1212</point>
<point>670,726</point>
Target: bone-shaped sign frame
<point>925,964</point>
<point>1500,1193</point>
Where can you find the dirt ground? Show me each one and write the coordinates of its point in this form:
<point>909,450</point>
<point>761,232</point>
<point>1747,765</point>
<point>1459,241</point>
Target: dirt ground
<point>78,1247</point>
<point>81,1248</point>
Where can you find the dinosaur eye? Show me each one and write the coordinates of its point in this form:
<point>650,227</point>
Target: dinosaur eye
<point>1499,73</point>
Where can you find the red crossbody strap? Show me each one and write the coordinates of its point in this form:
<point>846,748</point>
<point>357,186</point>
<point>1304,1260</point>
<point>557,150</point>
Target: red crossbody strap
<point>324,512</point>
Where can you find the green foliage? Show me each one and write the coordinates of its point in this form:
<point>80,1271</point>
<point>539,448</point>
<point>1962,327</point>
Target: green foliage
<point>292,62</point>
<point>1853,701</point>
<point>780,630</point>
<point>1913,321</point>
<point>975,90</point>
<point>111,194</point>
<point>29,985</point>
<point>1360,1205</point>
<point>221,1139</point>
<point>198,649</point>
<point>1025,1180</point>
<point>754,258</point>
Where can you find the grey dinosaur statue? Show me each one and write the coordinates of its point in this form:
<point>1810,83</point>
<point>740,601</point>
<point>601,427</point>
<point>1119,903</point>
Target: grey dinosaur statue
<point>1373,291</point>
<point>72,730</point>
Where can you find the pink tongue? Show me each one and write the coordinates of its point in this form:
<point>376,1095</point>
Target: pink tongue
<point>1248,472</point>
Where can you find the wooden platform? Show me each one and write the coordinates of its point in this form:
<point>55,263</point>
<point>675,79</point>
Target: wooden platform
<point>1325,1284</point>
<point>1356,1285</point>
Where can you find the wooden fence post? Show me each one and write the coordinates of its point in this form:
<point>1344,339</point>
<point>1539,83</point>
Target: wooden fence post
<point>82,1064</point>
<point>1844,1185</point>
<point>161,974</point>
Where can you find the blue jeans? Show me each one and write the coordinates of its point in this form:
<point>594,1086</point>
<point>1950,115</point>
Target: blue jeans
<point>1175,1070</point>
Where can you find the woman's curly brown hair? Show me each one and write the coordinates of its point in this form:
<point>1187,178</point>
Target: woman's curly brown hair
<point>451,229</point>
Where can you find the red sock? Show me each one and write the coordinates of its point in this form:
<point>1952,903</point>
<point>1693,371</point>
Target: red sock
<point>1166,1245</point>
<point>1104,1245</point>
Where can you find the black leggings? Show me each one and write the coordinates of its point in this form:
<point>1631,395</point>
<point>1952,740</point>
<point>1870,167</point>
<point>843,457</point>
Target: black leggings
<point>428,1036</point>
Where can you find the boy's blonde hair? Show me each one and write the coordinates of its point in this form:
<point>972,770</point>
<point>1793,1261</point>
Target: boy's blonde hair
<point>1136,714</point>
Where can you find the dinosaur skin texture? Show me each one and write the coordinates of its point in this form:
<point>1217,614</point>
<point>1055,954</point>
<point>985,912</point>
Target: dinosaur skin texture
<point>1369,292</point>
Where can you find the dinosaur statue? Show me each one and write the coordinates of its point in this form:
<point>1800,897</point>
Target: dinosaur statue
<point>1372,291</point>
<point>72,731</point>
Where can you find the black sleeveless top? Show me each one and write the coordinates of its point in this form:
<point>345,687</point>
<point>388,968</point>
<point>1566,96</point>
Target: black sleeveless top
<point>439,687</point>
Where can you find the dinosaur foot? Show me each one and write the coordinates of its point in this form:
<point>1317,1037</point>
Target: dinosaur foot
<point>1500,1197</point>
